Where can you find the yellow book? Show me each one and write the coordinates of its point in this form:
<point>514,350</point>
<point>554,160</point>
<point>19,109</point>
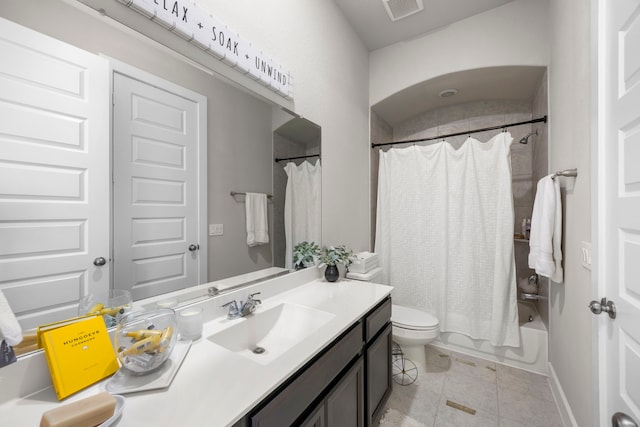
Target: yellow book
<point>78,354</point>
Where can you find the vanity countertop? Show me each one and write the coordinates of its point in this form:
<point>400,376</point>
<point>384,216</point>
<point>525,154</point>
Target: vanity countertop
<point>215,386</point>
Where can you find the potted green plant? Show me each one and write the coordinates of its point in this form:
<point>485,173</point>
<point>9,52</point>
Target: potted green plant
<point>331,256</point>
<point>305,254</point>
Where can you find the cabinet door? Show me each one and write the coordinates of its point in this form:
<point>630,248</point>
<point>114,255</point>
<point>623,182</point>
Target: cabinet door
<point>379,384</point>
<point>345,403</point>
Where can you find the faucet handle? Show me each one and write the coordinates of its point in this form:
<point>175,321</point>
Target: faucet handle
<point>233,309</point>
<point>251,298</point>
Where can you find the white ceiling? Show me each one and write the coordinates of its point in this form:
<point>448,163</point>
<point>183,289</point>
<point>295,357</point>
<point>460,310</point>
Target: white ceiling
<point>375,28</point>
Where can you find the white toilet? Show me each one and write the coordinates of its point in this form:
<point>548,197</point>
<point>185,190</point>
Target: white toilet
<point>412,328</point>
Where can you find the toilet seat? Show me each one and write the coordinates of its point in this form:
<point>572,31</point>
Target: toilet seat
<point>413,319</point>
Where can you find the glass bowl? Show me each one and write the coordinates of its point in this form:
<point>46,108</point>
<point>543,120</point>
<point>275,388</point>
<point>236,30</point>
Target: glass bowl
<point>144,340</point>
<point>112,304</point>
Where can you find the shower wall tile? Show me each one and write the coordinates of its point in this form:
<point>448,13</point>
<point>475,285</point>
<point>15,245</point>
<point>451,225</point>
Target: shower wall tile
<point>522,191</point>
<point>521,164</point>
<point>484,136</point>
<point>421,126</point>
<point>486,120</point>
<point>457,141</point>
<point>486,108</point>
<point>381,131</point>
<point>521,252</point>
<point>451,114</point>
<point>454,127</point>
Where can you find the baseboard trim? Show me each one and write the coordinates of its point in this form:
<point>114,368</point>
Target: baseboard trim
<point>561,400</point>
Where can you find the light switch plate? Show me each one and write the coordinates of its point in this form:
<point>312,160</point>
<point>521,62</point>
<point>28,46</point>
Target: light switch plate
<point>585,254</point>
<point>216,230</point>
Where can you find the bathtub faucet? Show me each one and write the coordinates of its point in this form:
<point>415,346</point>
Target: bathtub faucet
<point>530,297</point>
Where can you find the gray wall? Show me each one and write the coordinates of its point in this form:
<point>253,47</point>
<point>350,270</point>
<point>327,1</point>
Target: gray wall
<point>239,125</point>
<point>570,103</point>
<point>330,69</point>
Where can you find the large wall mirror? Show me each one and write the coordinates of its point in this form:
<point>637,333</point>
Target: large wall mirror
<point>244,135</point>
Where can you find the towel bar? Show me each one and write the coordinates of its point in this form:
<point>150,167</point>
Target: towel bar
<point>241,193</point>
<point>566,172</point>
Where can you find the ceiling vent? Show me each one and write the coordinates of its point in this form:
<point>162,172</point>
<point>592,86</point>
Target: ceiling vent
<point>398,9</point>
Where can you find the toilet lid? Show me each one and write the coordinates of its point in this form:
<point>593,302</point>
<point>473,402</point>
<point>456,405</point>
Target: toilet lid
<point>412,318</point>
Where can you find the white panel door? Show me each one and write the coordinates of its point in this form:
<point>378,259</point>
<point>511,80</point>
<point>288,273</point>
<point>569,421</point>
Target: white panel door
<point>619,208</point>
<point>158,137</point>
<point>54,174</point>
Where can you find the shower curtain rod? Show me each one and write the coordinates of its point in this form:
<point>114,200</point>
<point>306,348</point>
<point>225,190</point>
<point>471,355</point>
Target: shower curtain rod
<point>295,158</point>
<point>538,120</point>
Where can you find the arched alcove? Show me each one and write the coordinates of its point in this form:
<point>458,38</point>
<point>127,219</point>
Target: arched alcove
<point>484,97</point>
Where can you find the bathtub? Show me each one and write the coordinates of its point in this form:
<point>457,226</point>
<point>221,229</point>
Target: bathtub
<point>531,356</point>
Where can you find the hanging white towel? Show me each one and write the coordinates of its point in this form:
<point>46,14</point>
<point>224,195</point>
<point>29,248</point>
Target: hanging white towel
<point>256,211</point>
<point>545,253</point>
<point>9,327</point>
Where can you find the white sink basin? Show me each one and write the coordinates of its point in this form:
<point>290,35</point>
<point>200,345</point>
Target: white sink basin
<point>264,336</point>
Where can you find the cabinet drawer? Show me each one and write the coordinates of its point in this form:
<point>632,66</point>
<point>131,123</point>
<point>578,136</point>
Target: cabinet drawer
<point>377,319</point>
<point>291,402</point>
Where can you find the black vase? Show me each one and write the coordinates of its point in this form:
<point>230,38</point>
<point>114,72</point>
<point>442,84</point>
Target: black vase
<point>331,273</point>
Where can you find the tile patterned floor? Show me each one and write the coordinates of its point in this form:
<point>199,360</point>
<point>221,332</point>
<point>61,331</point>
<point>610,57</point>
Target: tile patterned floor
<point>459,390</point>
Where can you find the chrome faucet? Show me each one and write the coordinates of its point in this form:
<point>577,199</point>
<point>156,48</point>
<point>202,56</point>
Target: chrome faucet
<point>243,309</point>
<point>233,309</point>
<point>530,297</point>
<point>250,305</point>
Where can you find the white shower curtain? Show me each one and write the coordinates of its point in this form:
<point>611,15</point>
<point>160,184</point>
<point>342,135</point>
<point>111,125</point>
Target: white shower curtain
<point>302,208</point>
<point>444,235</point>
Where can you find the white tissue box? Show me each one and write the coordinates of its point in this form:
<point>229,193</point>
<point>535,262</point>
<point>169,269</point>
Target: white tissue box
<point>364,262</point>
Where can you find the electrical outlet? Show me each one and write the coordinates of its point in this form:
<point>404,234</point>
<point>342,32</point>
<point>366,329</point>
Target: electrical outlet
<point>585,254</point>
<point>216,230</point>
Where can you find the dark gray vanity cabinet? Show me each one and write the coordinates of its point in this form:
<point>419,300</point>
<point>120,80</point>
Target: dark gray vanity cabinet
<point>346,385</point>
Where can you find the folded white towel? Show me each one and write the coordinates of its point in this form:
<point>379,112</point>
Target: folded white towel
<point>545,254</point>
<point>256,212</point>
<point>9,327</point>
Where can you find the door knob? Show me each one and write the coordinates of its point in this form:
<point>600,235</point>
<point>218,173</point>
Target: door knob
<point>193,248</point>
<point>607,306</point>
<point>99,262</point>
<point>620,419</point>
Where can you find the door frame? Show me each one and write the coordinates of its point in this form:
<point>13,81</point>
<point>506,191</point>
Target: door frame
<point>116,66</point>
<point>599,370</point>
